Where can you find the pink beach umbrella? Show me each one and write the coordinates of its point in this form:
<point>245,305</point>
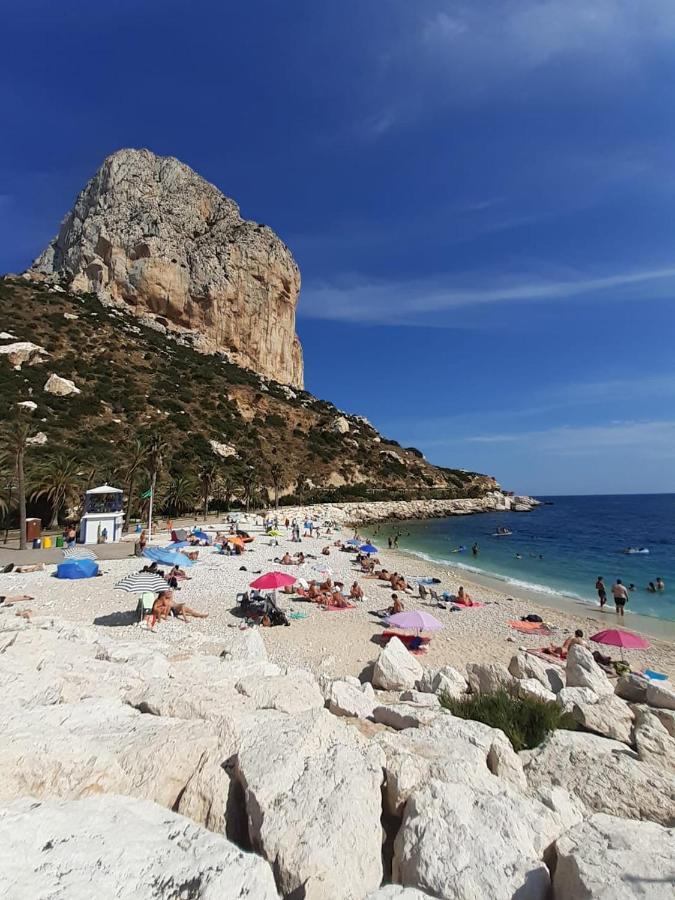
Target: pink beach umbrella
<point>415,620</point>
<point>615,637</point>
<point>270,581</point>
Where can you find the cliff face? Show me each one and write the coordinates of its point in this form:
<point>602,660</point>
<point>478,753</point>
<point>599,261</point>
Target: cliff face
<point>149,231</point>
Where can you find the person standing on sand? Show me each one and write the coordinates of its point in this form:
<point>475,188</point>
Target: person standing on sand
<point>620,595</point>
<point>602,593</point>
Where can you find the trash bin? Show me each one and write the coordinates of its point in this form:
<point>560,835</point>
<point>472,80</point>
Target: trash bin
<point>33,529</point>
<point>139,528</point>
<point>37,543</point>
<point>59,541</point>
<point>47,543</point>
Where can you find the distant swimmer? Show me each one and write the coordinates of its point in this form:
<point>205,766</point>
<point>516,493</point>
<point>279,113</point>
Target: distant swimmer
<point>660,584</point>
<point>519,555</point>
<point>475,549</point>
<point>651,587</point>
<point>602,592</point>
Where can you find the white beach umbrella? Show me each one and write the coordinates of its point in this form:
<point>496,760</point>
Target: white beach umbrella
<point>139,582</point>
<point>78,553</point>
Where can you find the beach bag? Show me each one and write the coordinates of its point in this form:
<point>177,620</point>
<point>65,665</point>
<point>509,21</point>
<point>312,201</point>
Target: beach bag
<point>531,618</point>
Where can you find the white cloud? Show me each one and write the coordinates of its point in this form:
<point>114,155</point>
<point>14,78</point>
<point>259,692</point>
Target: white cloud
<point>409,302</point>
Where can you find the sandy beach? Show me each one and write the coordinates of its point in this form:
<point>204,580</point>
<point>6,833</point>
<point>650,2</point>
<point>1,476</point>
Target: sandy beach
<point>336,642</point>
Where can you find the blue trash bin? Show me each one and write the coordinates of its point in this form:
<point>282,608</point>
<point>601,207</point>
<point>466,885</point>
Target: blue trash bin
<point>37,543</point>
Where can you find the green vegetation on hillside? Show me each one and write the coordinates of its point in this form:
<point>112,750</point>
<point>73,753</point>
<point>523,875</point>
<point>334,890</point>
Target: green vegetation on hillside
<point>141,384</point>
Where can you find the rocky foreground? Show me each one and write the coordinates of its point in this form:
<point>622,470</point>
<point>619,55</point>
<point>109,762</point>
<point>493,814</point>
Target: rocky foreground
<point>134,770</point>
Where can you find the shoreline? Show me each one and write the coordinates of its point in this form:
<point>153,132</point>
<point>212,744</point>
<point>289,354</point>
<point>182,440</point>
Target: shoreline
<point>659,629</point>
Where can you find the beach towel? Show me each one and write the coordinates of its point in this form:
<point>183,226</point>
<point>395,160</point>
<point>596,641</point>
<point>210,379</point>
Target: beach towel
<point>331,608</point>
<point>541,653</point>
<point>654,676</point>
<point>298,615</point>
<point>475,605</point>
<point>529,627</point>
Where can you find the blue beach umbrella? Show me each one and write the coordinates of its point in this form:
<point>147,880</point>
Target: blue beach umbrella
<point>353,542</point>
<point>167,558</point>
<point>202,535</point>
<point>77,568</point>
<point>368,548</point>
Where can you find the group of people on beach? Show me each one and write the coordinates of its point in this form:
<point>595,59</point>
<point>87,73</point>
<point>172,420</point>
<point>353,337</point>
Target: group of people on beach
<point>620,593</point>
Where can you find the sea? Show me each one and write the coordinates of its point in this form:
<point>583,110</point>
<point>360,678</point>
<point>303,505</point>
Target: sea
<point>562,546</point>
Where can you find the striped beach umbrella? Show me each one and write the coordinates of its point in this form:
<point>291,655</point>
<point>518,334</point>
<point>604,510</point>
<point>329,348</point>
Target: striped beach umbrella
<point>78,553</point>
<point>139,582</point>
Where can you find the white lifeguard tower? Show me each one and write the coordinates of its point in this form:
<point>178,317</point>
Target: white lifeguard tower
<point>103,516</point>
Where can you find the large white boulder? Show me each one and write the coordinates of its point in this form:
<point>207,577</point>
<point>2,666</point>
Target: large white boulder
<point>62,387</point>
<point>400,716</point>
<point>632,687</point>
<point>346,699</point>
<point>22,352</point>
<point>446,680</point>
<point>397,892</point>
<point>607,715</point>
<point>533,688</point>
<point>608,858</point>
<point>103,746</point>
<point>312,789</point>
<point>604,775</point>
<point>292,693</point>
<point>583,671</point>
<point>396,669</point>
<point>119,848</point>
<point>525,666</point>
<point>660,695</point>
<point>489,678</point>
<point>449,750</point>
<point>420,698</point>
<point>242,644</point>
<point>653,743</point>
<point>469,841</point>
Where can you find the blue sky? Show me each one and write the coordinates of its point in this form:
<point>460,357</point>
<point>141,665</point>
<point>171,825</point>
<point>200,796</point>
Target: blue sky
<point>480,196</point>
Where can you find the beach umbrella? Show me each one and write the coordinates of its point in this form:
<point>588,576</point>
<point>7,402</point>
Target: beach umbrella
<point>77,568</point>
<point>239,542</point>
<point>353,542</point>
<point>368,548</point>
<point>273,533</point>
<point>415,620</point>
<point>167,557</point>
<point>272,581</point>
<point>325,571</point>
<point>615,637</point>
<point>139,582</point>
<point>202,535</point>
<point>78,553</point>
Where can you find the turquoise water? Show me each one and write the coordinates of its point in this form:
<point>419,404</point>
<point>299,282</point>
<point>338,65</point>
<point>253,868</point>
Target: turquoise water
<point>577,538</point>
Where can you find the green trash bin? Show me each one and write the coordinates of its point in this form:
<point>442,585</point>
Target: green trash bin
<point>59,541</point>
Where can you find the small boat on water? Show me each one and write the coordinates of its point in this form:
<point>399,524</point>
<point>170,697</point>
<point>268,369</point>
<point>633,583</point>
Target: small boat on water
<point>630,551</point>
<point>501,532</point>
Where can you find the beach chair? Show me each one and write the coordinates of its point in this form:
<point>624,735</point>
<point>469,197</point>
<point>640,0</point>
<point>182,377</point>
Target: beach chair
<point>144,605</point>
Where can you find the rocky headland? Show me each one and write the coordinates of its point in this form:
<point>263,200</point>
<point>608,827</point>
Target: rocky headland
<point>149,232</point>
<point>146,770</point>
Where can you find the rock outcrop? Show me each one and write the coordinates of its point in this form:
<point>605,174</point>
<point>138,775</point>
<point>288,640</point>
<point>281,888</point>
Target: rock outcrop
<point>151,233</point>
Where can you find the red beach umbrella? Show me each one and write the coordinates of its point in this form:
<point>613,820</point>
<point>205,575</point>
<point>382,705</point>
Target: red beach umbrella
<point>273,580</point>
<point>615,637</point>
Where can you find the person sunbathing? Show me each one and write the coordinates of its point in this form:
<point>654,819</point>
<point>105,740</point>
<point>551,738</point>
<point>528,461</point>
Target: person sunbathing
<point>356,591</point>
<point>326,585</point>
<point>397,605</point>
<point>14,598</point>
<point>463,598</point>
<point>165,605</point>
<point>313,592</point>
<point>338,600</point>
<point>299,558</point>
<point>577,639</point>
<point>325,551</point>
<point>287,559</point>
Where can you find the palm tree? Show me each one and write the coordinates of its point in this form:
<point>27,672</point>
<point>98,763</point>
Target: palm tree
<point>135,457</point>
<point>155,453</point>
<point>207,476</point>
<point>16,442</point>
<point>250,487</point>
<point>180,494</point>
<point>60,482</point>
<point>223,489</point>
<point>7,479</point>
<point>275,472</point>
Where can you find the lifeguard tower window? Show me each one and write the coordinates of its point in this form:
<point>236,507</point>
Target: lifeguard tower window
<point>103,503</point>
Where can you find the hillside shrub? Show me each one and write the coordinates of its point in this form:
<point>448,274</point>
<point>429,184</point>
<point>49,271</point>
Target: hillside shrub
<point>526,721</point>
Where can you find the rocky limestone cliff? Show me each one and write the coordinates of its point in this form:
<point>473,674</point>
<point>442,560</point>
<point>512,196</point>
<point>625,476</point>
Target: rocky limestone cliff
<point>150,232</point>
